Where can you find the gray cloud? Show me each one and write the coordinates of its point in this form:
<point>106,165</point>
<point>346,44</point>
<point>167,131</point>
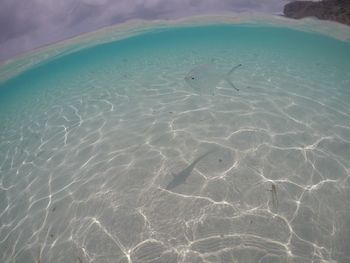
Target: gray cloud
<point>28,24</point>
<point>14,23</point>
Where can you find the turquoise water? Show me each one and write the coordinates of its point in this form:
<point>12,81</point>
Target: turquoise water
<point>89,143</point>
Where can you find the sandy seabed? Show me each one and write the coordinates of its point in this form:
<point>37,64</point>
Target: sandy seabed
<point>86,158</point>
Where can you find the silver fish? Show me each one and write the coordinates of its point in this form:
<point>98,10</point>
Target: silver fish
<point>274,200</point>
<point>204,78</point>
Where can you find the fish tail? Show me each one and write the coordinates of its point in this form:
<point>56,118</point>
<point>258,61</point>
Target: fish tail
<point>231,83</point>
<point>233,69</point>
<point>227,76</point>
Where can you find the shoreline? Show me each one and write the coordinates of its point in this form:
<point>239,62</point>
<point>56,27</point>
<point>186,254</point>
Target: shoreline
<point>330,10</point>
<point>21,62</point>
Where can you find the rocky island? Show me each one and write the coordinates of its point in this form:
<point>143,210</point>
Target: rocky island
<point>334,10</point>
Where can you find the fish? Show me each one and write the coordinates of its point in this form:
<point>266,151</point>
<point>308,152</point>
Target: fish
<point>181,177</point>
<point>274,199</point>
<point>204,78</point>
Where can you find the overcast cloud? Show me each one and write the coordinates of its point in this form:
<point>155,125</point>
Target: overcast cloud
<point>26,24</point>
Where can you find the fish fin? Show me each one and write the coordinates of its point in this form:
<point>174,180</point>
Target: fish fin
<point>233,69</point>
<point>231,83</point>
<point>227,76</point>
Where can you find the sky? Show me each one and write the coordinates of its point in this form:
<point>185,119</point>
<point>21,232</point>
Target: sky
<point>28,24</point>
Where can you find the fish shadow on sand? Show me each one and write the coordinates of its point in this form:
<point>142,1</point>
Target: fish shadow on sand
<point>181,177</point>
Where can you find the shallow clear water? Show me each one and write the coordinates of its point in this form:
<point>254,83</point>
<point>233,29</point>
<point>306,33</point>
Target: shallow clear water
<point>89,143</point>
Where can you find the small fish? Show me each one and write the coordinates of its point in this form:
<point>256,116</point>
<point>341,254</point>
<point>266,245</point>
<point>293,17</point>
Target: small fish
<point>274,200</point>
<point>205,78</point>
<point>181,177</point>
